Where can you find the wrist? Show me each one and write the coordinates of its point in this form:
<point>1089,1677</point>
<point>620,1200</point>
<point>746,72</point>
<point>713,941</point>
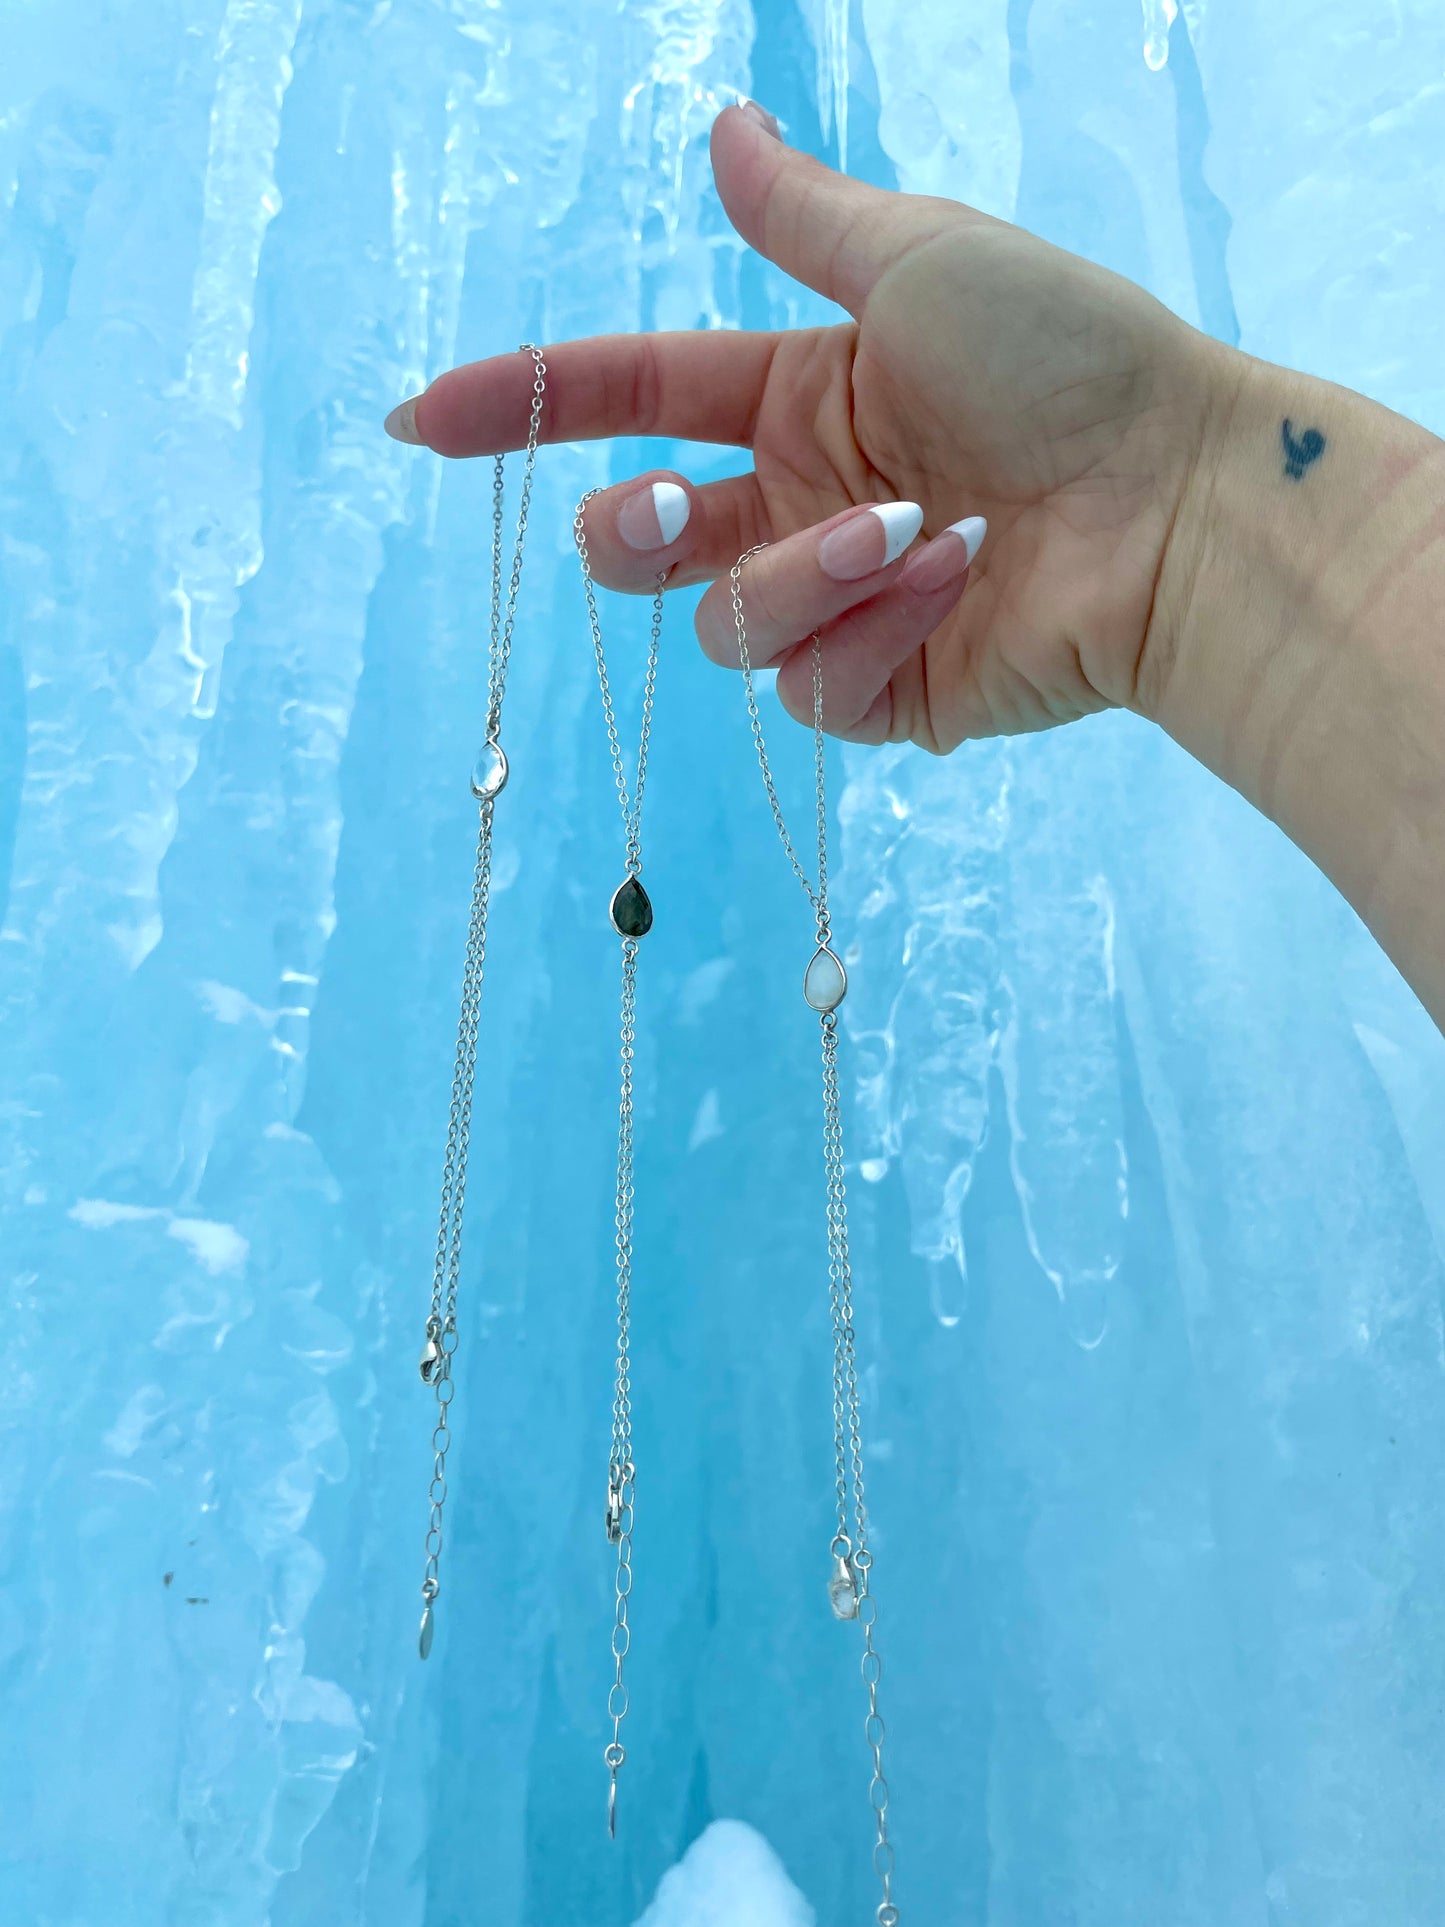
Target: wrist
<point>1296,644</point>
<point>1242,569</point>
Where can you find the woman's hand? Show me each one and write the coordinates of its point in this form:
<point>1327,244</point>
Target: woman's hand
<point>985,374</point>
<point>1252,558</point>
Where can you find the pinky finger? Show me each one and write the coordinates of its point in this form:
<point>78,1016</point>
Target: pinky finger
<point>863,647</point>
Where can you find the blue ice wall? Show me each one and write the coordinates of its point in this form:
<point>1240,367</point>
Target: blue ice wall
<point>1147,1138</point>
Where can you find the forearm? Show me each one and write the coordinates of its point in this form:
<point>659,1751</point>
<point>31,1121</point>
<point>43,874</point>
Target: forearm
<point>1298,643</point>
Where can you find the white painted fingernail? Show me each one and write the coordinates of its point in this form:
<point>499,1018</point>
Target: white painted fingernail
<point>973,528</point>
<point>400,424</point>
<point>654,517</point>
<point>901,522</point>
<point>673,509</point>
<point>869,541</point>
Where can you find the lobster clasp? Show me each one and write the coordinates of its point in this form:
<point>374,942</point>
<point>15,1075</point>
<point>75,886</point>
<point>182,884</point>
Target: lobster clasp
<point>432,1356</point>
<point>619,1481</point>
<point>843,1585</point>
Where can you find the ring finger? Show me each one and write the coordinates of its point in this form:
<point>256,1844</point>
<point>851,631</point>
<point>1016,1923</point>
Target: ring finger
<point>865,646</point>
<point>808,579</point>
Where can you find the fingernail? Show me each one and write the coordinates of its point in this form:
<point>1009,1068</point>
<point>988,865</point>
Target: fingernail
<point>869,541</point>
<point>946,557</point>
<point>400,424</point>
<point>654,517</point>
<point>760,116</point>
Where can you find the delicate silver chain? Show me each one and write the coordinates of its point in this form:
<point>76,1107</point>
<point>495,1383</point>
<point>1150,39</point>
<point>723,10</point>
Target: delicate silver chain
<point>630,802</point>
<point>621,1471</point>
<point>439,1347</point>
<point>851,1587</point>
<point>504,619</point>
<point>817,894</point>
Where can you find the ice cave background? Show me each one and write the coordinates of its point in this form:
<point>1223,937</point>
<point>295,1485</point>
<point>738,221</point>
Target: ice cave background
<point>1146,1137</point>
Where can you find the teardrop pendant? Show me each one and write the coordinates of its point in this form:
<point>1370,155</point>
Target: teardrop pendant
<point>825,982</point>
<point>489,772</point>
<point>631,910</point>
<point>423,1644</point>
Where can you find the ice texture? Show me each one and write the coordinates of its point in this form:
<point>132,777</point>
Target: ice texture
<point>1145,1137</point>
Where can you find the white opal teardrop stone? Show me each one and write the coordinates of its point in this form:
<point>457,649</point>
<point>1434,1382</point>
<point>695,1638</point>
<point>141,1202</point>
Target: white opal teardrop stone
<point>489,773</point>
<point>825,983</point>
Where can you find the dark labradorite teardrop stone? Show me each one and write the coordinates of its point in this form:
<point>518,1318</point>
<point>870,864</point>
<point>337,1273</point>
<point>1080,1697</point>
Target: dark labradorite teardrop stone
<point>631,910</point>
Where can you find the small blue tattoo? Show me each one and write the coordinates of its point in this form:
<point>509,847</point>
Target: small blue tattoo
<point>1298,454</point>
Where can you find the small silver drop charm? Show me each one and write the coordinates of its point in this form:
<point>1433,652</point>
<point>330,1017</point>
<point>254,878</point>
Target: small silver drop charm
<point>423,1644</point>
<point>843,1588</point>
<point>613,1755</point>
<point>825,982</point>
<point>489,772</point>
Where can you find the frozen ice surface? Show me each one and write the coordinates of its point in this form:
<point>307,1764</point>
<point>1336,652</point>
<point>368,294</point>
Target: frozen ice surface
<point>1147,1138</point>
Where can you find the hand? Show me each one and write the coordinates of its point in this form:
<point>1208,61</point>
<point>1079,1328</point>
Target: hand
<point>1249,556</point>
<point>985,374</point>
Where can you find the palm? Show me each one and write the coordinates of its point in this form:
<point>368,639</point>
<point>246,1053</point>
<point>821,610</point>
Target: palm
<point>1069,419</point>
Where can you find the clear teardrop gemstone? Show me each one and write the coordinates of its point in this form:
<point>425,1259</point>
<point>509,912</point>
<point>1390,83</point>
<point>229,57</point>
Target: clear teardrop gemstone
<point>631,910</point>
<point>423,1644</point>
<point>489,772</point>
<point>825,983</point>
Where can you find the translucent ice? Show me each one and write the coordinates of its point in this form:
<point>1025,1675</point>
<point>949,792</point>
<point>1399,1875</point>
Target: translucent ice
<point>1145,1138</point>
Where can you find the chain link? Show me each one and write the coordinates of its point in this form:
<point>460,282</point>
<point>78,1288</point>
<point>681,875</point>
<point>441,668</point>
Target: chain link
<point>440,1344</point>
<point>816,894</point>
<point>500,651</point>
<point>851,1589</point>
<point>620,1468</point>
<point>630,801</point>
<point>621,1471</point>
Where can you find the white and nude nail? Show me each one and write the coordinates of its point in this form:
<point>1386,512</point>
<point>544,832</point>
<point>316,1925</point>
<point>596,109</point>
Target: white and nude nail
<point>654,517</point>
<point>400,424</point>
<point>760,116</point>
<point>947,557</point>
<point>869,540</point>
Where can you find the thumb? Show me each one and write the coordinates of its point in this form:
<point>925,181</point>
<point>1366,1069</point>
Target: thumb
<point>835,234</point>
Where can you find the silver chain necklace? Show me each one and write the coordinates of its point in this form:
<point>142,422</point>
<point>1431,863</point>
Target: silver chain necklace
<point>825,984</point>
<point>631,914</point>
<point>489,779</point>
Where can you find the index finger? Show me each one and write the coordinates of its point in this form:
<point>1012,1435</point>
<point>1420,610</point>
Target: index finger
<point>706,385</point>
